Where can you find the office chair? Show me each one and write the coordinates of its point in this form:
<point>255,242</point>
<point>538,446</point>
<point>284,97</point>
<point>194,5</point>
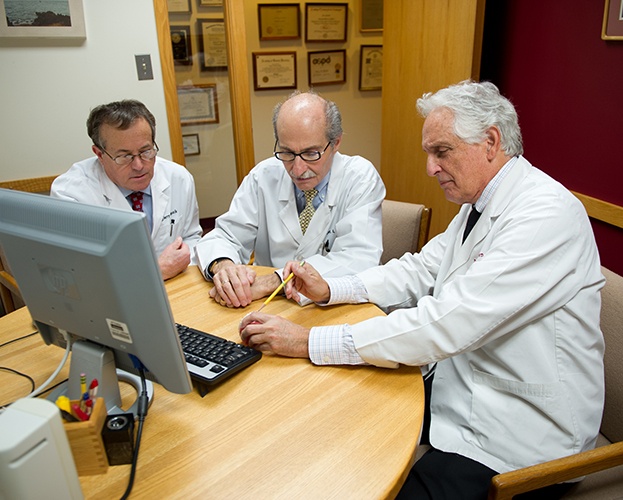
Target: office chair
<point>405,228</point>
<point>602,466</point>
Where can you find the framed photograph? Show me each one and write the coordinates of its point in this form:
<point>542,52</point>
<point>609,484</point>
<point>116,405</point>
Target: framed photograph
<point>274,70</point>
<point>326,22</point>
<point>371,16</point>
<point>191,144</point>
<point>279,21</point>
<point>326,67</point>
<point>61,19</point>
<point>213,44</point>
<point>371,67</point>
<point>198,104</point>
<point>211,3</point>
<point>180,43</point>
<point>612,28</point>
<point>178,6</point>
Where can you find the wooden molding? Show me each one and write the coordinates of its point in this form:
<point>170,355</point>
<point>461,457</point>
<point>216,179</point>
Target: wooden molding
<point>602,210</point>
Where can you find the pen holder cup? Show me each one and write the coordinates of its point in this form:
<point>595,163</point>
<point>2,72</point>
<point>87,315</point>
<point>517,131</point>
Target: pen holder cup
<point>85,441</point>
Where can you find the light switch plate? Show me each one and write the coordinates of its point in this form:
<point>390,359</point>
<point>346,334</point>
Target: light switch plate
<point>143,67</point>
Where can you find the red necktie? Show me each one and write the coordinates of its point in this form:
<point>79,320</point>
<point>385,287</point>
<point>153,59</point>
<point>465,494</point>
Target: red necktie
<point>136,198</point>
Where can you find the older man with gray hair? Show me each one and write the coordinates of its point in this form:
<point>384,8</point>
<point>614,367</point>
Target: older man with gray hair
<point>504,305</point>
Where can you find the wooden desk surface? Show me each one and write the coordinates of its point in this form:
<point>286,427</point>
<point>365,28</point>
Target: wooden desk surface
<point>282,428</point>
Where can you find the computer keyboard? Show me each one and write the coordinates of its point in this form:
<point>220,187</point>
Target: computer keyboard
<point>211,359</point>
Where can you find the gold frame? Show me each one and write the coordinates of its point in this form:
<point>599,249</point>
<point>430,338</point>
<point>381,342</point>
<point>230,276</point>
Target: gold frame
<point>612,28</point>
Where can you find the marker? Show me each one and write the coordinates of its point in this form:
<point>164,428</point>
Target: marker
<point>278,289</point>
<point>93,388</point>
<point>79,413</point>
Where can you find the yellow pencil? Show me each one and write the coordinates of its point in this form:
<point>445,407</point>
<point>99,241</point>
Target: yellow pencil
<point>278,289</point>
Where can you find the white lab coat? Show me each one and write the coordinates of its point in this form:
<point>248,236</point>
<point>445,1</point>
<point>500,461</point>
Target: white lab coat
<point>343,237</point>
<point>174,202</point>
<point>511,317</point>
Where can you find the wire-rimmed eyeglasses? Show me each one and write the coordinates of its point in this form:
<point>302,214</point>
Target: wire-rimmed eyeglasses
<point>304,155</point>
<point>125,160</point>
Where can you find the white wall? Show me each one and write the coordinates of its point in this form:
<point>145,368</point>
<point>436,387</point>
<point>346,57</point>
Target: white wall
<point>47,90</point>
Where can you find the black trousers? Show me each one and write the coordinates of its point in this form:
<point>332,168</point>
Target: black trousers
<point>440,475</point>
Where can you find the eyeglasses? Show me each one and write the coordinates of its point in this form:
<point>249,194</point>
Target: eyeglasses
<point>125,160</point>
<point>304,155</point>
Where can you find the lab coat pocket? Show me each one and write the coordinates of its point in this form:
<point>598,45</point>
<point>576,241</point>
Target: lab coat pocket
<point>511,418</point>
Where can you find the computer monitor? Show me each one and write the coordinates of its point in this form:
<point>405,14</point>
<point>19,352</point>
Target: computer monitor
<point>92,272</point>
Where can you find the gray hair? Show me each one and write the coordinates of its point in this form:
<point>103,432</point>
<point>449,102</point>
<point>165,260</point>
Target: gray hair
<point>120,115</point>
<point>476,107</point>
<point>333,129</point>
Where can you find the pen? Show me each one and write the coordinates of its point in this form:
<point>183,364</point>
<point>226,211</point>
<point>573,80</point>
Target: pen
<point>171,231</point>
<point>278,289</point>
<point>93,388</point>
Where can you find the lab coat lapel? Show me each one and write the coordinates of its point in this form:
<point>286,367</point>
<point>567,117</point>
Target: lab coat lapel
<point>288,211</point>
<point>110,191</point>
<point>160,192</point>
<point>462,253</point>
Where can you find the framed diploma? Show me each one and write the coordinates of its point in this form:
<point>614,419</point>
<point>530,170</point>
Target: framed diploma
<point>326,67</point>
<point>213,44</point>
<point>279,21</point>
<point>180,43</point>
<point>274,70</point>
<point>371,67</point>
<point>191,144</point>
<point>178,5</point>
<point>371,16</point>
<point>198,104</point>
<point>326,22</point>
<point>612,27</point>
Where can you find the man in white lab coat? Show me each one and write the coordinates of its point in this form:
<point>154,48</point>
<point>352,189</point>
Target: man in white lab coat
<point>342,234</point>
<point>126,168</point>
<point>508,313</point>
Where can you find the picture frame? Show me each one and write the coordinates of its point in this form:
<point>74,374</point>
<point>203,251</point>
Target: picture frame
<point>612,27</point>
<point>213,44</point>
<point>180,44</point>
<point>179,6</point>
<point>326,22</point>
<point>370,67</point>
<point>198,104</point>
<point>191,144</point>
<point>274,70</point>
<point>211,3</point>
<point>279,21</point>
<point>326,67</point>
<point>15,23</point>
<point>371,16</point>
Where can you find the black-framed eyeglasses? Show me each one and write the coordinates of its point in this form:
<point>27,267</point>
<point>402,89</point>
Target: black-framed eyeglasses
<point>304,155</point>
<point>125,160</point>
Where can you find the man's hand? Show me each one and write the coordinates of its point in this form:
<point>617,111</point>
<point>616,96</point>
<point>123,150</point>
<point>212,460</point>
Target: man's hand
<point>237,285</point>
<point>306,281</point>
<point>268,333</point>
<point>174,258</point>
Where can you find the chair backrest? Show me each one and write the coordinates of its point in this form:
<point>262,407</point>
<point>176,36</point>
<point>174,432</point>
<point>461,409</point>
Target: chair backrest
<point>9,291</point>
<point>405,228</point>
<point>612,328</point>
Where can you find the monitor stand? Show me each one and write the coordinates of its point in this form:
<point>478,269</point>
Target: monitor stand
<point>98,362</point>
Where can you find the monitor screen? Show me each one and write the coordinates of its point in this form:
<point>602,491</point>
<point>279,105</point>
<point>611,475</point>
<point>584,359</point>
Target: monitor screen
<point>90,274</point>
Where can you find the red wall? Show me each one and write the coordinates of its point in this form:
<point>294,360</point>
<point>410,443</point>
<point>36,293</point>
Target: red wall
<point>566,82</point>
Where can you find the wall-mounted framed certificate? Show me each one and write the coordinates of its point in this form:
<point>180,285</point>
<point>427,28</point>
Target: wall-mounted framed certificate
<point>279,21</point>
<point>326,22</point>
<point>326,67</point>
<point>198,104</point>
<point>371,67</point>
<point>274,70</point>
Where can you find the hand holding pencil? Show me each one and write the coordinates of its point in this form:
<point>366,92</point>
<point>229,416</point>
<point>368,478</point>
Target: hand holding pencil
<point>279,288</point>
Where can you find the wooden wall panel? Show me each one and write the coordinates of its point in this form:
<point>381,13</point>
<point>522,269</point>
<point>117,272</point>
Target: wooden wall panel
<point>428,45</point>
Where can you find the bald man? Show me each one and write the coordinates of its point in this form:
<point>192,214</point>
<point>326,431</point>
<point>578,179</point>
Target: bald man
<point>308,202</point>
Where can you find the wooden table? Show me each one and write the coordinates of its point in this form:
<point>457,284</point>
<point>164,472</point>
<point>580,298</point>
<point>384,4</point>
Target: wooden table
<point>282,428</point>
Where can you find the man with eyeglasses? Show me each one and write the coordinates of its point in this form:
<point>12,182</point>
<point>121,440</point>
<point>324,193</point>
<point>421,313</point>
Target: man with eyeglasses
<point>126,173</point>
<point>308,202</point>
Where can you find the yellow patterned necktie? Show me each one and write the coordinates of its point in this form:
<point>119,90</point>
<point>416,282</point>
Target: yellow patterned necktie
<point>308,212</point>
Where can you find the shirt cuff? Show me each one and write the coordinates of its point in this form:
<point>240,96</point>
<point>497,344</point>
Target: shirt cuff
<point>346,290</point>
<point>333,345</point>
